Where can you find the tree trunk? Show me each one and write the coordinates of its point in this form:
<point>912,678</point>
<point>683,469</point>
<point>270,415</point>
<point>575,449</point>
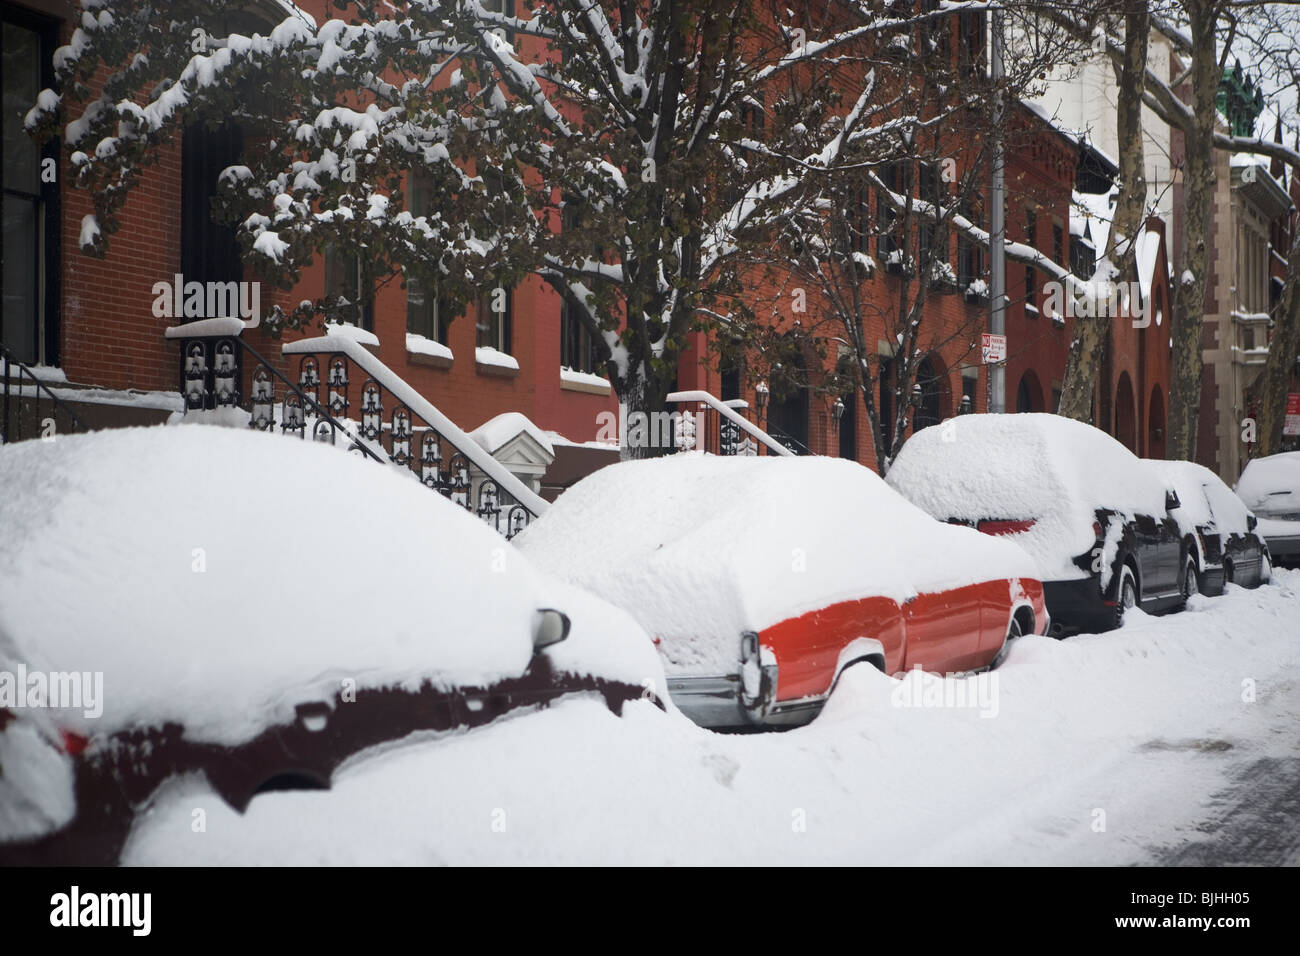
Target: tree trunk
<point>1088,346</point>
<point>1198,197</point>
<point>1275,383</point>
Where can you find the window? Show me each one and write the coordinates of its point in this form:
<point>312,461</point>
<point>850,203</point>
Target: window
<point>934,34</point>
<point>970,254</point>
<point>860,221</point>
<point>931,191</point>
<point>1058,243</point>
<point>494,315</point>
<point>31,204</point>
<point>507,8</point>
<point>209,250</point>
<point>970,52</point>
<point>577,346</point>
<point>897,178</point>
<point>426,314</point>
<point>1031,276</point>
<point>753,115</point>
<point>346,281</point>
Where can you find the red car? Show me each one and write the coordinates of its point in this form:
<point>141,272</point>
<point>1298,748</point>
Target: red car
<point>757,602</point>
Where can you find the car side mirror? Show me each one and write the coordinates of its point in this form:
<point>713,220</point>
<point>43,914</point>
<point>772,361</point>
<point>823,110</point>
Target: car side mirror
<point>552,627</point>
<point>1251,522</point>
<point>1171,501</point>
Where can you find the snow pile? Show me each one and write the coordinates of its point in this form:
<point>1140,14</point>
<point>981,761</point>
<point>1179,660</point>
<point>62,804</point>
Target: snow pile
<point>574,377</point>
<point>1053,470</point>
<point>423,345</point>
<point>1149,723</point>
<point>218,577</point>
<point>1271,485</point>
<point>700,548</point>
<point>495,432</point>
<point>486,355</point>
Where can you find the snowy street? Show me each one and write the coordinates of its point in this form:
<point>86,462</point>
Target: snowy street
<point>1175,740</point>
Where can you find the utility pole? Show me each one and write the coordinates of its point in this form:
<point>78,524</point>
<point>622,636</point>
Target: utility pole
<point>997,377</point>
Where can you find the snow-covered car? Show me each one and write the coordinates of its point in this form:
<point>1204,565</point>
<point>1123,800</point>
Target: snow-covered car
<point>1271,488</point>
<point>1217,527</point>
<point>1096,521</point>
<point>758,601</point>
<point>256,610</point>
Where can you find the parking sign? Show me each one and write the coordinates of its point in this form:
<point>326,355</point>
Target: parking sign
<point>1292,424</point>
<point>993,348</point>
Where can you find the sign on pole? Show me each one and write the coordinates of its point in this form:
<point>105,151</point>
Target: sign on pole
<point>993,348</point>
<point>1292,424</point>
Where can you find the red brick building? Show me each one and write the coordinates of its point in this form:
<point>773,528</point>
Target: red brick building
<point>88,322</point>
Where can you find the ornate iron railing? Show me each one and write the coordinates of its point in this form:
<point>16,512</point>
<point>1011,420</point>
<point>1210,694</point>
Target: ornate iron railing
<point>21,415</point>
<point>721,428</point>
<point>212,379</point>
<point>337,398</point>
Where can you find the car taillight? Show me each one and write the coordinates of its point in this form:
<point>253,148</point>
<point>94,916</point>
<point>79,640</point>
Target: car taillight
<point>1096,530</point>
<point>73,744</point>
<point>1006,527</point>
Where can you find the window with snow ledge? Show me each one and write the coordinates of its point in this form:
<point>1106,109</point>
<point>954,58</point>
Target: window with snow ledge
<point>421,350</point>
<point>589,382</point>
<point>490,361</point>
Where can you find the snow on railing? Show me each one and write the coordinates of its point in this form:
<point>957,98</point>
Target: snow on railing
<point>422,408</point>
<point>728,414</point>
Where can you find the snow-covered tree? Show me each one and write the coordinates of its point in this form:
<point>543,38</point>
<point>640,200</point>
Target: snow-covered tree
<point>633,122</point>
<point>906,197</point>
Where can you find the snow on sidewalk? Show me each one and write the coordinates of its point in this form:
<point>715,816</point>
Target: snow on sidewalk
<point>1142,725</point>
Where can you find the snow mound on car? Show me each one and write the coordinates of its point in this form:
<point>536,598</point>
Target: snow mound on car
<point>700,548</point>
<point>1272,485</point>
<point>217,577</point>
<point>1202,496</point>
<point>1054,470</point>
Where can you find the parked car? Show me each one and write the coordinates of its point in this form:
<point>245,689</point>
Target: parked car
<point>1271,488</point>
<point>1217,527</point>
<point>255,610</point>
<point>1098,523</point>
<point>758,600</point>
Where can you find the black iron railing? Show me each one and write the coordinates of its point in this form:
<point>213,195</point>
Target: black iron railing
<point>28,408</point>
<point>335,399</point>
<point>211,378</point>
<point>788,440</point>
<point>721,428</point>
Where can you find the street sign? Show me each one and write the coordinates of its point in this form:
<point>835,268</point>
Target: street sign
<point>993,348</point>
<point>1292,425</point>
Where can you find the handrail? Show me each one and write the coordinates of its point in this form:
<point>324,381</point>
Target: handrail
<point>418,404</point>
<point>317,408</point>
<point>10,361</point>
<point>705,398</point>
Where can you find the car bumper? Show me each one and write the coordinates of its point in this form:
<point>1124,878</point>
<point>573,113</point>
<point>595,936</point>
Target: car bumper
<point>1077,606</point>
<point>1283,549</point>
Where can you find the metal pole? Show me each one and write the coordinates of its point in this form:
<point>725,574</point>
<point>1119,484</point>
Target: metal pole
<point>997,384</point>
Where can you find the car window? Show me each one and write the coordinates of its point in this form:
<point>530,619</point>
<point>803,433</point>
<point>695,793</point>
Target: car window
<point>1229,510</point>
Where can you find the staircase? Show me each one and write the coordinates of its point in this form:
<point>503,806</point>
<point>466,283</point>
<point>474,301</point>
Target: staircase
<point>28,407</point>
<point>338,392</point>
